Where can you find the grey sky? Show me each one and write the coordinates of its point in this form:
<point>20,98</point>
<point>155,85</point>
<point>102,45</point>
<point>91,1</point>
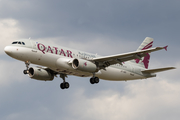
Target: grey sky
<point>99,26</point>
<point>116,18</point>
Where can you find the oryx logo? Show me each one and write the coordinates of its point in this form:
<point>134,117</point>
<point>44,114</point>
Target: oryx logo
<point>147,57</point>
<point>85,64</point>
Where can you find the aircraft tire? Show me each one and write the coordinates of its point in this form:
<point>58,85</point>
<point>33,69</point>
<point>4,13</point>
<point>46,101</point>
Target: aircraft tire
<point>65,85</point>
<point>62,86</point>
<point>92,81</point>
<point>25,71</point>
<point>96,80</point>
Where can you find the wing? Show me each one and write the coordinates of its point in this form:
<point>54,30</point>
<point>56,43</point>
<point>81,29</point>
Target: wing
<point>120,58</point>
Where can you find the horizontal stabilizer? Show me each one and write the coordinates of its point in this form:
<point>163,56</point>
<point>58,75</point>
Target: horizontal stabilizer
<point>157,70</point>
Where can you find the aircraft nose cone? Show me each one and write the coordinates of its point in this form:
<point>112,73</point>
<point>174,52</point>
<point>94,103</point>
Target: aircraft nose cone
<point>7,50</point>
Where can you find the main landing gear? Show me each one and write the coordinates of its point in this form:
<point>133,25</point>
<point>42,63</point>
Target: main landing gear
<point>27,67</point>
<point>94,79</point>
<point>64,85</point>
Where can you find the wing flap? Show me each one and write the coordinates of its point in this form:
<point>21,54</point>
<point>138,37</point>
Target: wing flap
<point>157,70</point>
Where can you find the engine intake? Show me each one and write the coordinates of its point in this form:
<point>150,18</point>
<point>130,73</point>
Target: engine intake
<point>84,65</point>
<point>40,74</point>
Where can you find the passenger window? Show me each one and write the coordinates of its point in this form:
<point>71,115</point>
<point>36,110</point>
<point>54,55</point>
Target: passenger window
<point>19,42</point>
<point>23,43</point>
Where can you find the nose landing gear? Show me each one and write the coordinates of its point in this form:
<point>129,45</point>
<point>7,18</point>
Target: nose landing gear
<point>27,67</point>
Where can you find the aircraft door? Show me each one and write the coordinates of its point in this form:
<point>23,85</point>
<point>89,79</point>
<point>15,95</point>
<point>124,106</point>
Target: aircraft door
<point>37,55</point>
<point>33,44</point>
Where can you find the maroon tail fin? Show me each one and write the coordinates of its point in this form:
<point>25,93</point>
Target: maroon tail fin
<point>146,44</point>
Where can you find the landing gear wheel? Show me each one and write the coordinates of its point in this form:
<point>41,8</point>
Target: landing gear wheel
<point>94,80</point>
<point>25,71</point>
<point>64,85</point>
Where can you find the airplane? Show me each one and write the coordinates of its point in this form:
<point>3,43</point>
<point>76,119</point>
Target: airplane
<point>53,60</point>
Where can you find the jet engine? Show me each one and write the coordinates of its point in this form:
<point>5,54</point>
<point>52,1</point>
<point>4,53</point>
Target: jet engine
<point>40,74</point>
<point>84,65</point>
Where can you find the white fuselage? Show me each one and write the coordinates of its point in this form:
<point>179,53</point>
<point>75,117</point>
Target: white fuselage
<point>57,58</point>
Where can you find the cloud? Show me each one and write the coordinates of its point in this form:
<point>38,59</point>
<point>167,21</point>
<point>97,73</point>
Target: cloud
<point>10,31</point>
<point>148,99</point>
<point>11,72</point>
<point>155,98</point>
<point>126,19</point>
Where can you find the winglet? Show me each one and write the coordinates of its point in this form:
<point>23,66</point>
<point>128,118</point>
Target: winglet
<point>166,47</point>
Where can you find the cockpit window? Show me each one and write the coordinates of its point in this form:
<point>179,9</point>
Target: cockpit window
<point>18,42</point>
<point>14,42</point>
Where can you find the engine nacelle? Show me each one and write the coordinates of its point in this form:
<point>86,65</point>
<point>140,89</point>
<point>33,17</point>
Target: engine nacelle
<point>84,65</point>
<point>40,74</point>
